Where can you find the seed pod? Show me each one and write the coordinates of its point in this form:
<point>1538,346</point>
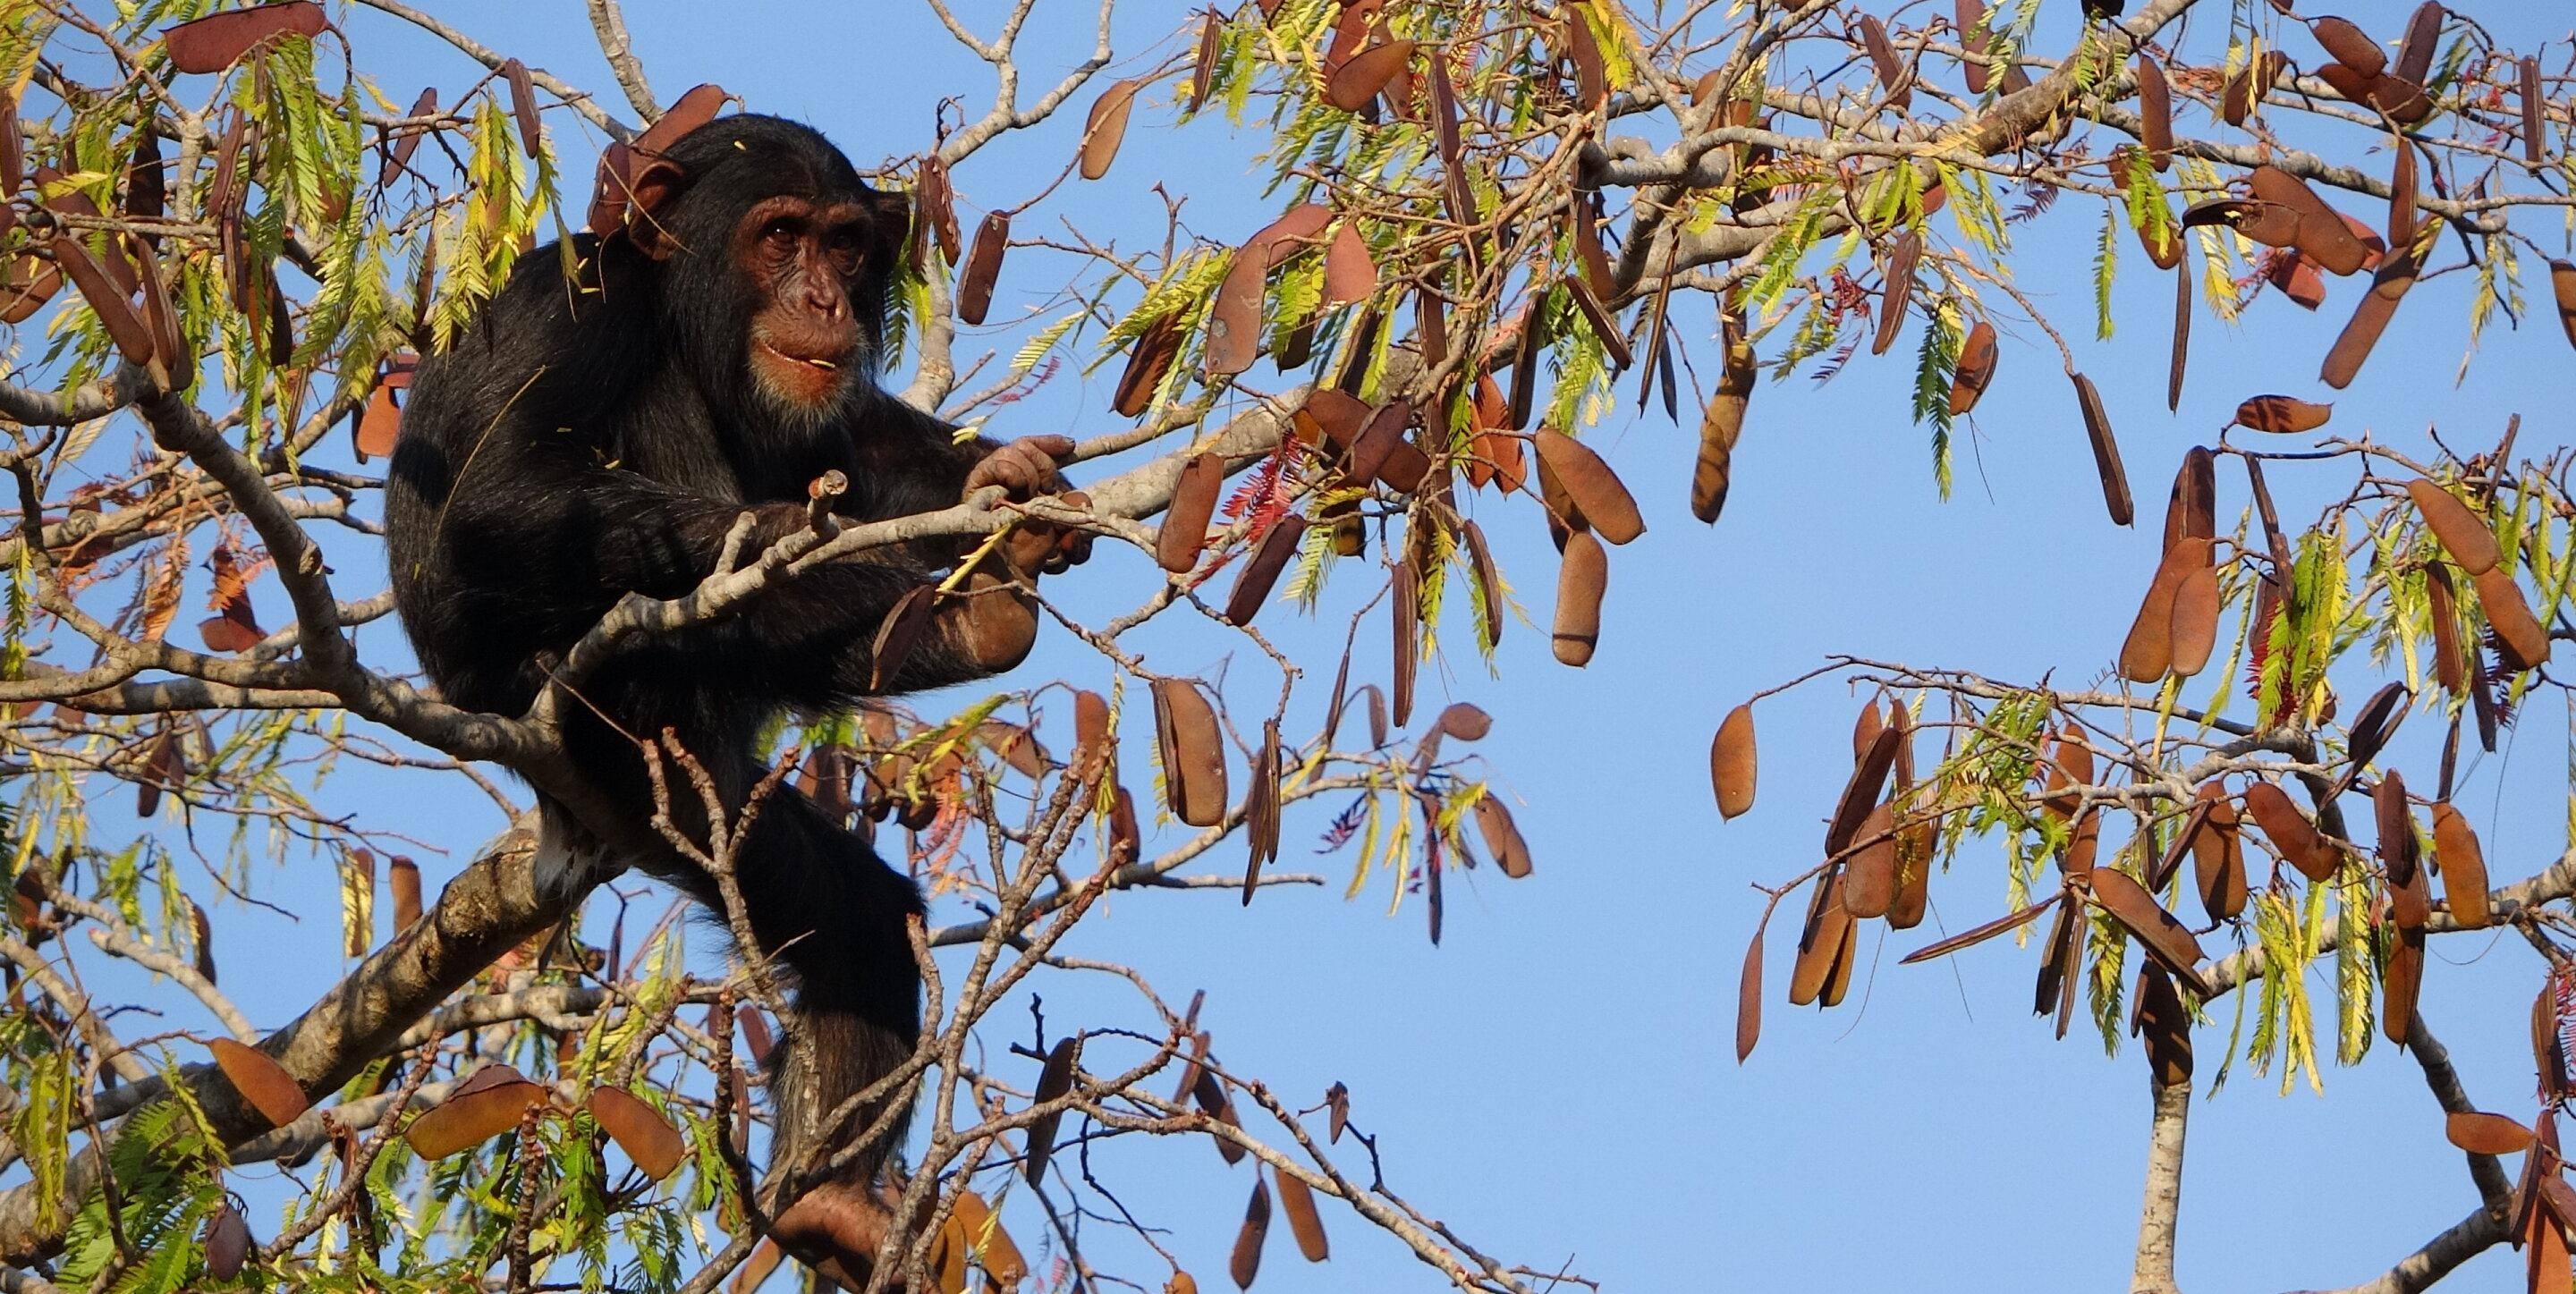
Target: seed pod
<point>1732,762</point>
<point>2162,937</point>
<point>1365,75</point>
<point>1489,587</point>
<point>2218,856</point>
<point>2450,665</point>
<point>132,336</point>
<point>2462,532</point>
<point>1899,287</point>
<point>1722,426</point>
<point>1582,578</point>
<point>1107,128</point>
<point>1604,504</point>
<point>1252,586</point>
<point>2281,413</point>
<point>404,877</point>
<point>1748,1000</point>
<point>1055,1080</point>
<point>2246,89</point>
<point>644,1133</point>
<point>2401,201</point>
<point>1193,753</point>
<point>263,1083</point>
<point>2423,40</point>
<point>1349,274</point>
<point>1245,1263</point>
<point>2562,285</point>
<point>2376,722</point>
<point>1185,521</point>
<point>2155,111</point>
<point>29,285</point>
<point>1975,370</point>
<point>1503,842</point>
<point>1261,809</point>
<point>214,43</point>
<point>2147,654</point>
<point>2486,1134</point>
<point>2106,453</point>
<point>983,266</point>
<point>2292,836</point>
<point>2191,506</point>
<point>1976,41</point>
<point>1093,745</point>
<point>2195,620</point>
<point>2464,867</point>
<point>1891,69</point>
<point>1869,878</point>
<point>2400,981</point>
<point>523,105</point>
<point>2321,233</point>
<point>1868,781</point>
<point>2521,642</point>
<point>2352,347</point>
<point>2349,45</point>
<point>1828,926</point>
<point>1405,599</point>
<point>227,1242</point>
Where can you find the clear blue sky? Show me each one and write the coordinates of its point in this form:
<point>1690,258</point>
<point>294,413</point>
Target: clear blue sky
<point>1556,1080</point>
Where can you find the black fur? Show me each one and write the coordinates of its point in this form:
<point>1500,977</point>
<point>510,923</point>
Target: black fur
<point>584,439</point>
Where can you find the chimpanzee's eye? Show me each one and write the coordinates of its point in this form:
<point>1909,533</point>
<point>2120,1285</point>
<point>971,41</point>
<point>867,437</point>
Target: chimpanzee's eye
<point>779,235</point>
<point>845,250</point>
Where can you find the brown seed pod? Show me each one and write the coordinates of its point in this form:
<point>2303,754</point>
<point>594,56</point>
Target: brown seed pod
<point>1245,1262</point>
<point>1732,762</point>
<point>2321,233</point>
<point>2106,453</point>
<point>1298,1202</point>
<point>2218,856</point>
<point>1185,521</point>
<point>1865,730</point>
<point>2195,620</point>
<point>2535,133</point>
<point>2423,40</point>
<point>1828,925</point>
<point>2147,654</point>
<point>1503,842</point>
<point>1405,598</point>
<point>2161,1020</point>
<point>1591,75</point>
<point>983,266</point>
<point>2268,223</point>
<point>1489,588</point>
<point>2083,844</point>
<point>263,1083</point>
<point>1055,1080</point>
<point>2155,111</point>
<point>2376,722</point>
<point>1890,68</point>
<point>1748,1000</point>
<point>2281,413</point>
<point>2191,507</point>
<point>1605,327</point>
<point>647,1137</point>
<point>30,283</point>
<point>2396,828</point>
<point>2162,937</point>
<point>2464,867</point>
<point>1261,808</point>
<point>1603,502</point>
<point>214,43</point>
<point>1252,586</point>
<point>2352,347</point>
<point>483,1107</point>
<point>226,1241</point>
<point>2450,665</point>
<point>1722,426</point>
<point>1975,370</point>
<point>1107,128</point>
<point>1365,75</point>
<point>1582,578</point>
<point>1979,934</point>
<point>1193,753</point>
<point>1147,362</point>
<point>2562,285</point>
<point>2462,532</point>
<point>2057,957</point>
<point>1869,878</point>
<point>1976,41</point>
<point>2399,982</point>
<point>2402,199</point>
<point>132,336</point>
<point>2486,1134</point>
<point>2069,765</point>
<point>1901,257</point>
<point>1093,744</point>
<point>1349,274</point>
<point>2349,45</point>
<point>1861,793</point>
<point>1584,230</point>
<point>2246,89</point>
<point>2293,837</point>
<point>2521,642</point>
<point>523,105</point>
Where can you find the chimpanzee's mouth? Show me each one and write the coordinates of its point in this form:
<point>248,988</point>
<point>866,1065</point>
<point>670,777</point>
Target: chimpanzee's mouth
<point>823,365</point>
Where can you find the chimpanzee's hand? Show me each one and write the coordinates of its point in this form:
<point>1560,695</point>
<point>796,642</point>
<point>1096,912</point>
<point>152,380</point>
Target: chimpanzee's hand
<point>1027,467</point>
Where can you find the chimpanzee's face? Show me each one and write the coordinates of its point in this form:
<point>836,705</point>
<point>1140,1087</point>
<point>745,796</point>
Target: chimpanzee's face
<point>810,336</point>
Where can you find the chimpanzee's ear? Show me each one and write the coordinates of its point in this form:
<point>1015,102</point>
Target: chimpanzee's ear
<point>649,195</point>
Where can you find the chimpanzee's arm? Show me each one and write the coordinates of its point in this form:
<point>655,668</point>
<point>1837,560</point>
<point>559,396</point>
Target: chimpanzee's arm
<point>566,537</point>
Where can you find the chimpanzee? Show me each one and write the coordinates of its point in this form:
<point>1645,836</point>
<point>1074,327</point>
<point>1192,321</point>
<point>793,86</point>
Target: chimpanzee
<point>600,433</point>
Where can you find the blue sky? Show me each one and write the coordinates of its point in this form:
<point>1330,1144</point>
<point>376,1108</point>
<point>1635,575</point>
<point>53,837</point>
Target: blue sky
<point>1556,1080</point>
